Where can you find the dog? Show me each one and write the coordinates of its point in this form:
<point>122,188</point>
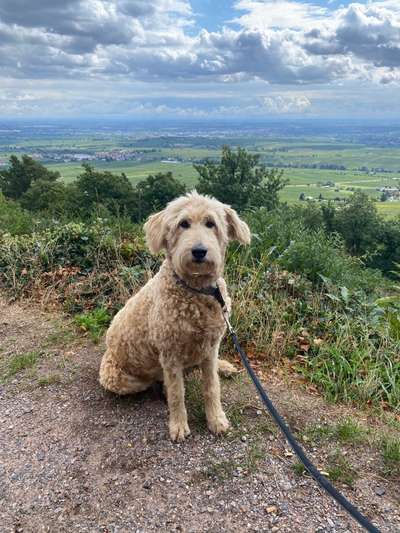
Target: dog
<point>170,325</point>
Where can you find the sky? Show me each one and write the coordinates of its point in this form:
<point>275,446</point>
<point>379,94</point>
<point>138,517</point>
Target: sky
<point>200,59</point>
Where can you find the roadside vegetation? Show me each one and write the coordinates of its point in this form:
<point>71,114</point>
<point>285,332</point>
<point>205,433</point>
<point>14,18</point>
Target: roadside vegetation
<point>317,290</point>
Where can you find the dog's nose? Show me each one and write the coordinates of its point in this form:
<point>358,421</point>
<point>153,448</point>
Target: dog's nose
<point>199,253</point>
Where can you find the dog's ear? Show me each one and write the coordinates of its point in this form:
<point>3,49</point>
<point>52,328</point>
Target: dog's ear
<point>155,232</point>
<point>238,230</point>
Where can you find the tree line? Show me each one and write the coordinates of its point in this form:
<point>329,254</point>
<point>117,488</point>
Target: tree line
<point>237,179</point>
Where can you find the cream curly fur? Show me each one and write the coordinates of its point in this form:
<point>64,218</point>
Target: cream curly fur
<point>166,328</point>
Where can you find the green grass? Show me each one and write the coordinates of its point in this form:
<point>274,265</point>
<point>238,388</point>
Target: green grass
<point>346,430</point>
<point>388,209</point>
<point>94,322</point>
<point>350,431</point>
<point>339,469</point>
<point>391,454</point>
<point>19,362</point>
<point>62,334</point>
<point>360,375</point>
<point>50,379</point>
<point>298,468</point>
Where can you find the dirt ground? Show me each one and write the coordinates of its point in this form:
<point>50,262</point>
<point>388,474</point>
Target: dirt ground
<point>74,458</point>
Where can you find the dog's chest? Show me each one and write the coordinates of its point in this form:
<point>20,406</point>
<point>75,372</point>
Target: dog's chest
<point>189,327</point>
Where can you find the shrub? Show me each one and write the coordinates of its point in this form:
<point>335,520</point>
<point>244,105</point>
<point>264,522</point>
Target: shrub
<point>13,219</point>
<point>296,293</point>
<point>312,253</point>
<point>79,264</point>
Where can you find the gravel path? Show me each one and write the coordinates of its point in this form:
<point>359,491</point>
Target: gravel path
<point>74,458</point>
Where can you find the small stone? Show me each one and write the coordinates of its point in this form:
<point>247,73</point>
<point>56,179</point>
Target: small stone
<point>40,456</point>
<point>147,484</point>
<point>243,438</point>
<point>380,491</point>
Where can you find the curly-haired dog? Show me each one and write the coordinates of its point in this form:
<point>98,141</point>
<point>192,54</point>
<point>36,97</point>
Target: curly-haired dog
<point>168,326</point>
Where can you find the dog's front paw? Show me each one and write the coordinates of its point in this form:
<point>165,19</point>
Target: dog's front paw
<point>218,424</point>
<point>178,431</point>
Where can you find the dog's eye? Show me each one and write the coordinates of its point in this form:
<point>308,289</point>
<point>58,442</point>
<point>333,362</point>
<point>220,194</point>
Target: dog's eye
<point>184,224</point>
<point>210,224</point>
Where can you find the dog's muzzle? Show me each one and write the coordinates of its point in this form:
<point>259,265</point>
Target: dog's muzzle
<point>199,254</point>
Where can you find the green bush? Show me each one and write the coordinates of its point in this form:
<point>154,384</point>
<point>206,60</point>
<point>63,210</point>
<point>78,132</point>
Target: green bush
<point>13,219</point>
<point>311,252</point>
<point>81,264</point>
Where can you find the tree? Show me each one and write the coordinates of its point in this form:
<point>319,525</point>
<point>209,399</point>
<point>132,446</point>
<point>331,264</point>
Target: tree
<point>359,224</point>
<point>153,194</point>
<point>302,197</point>
<point>43,195</point>
<point>239,180</point>
<point>16,180</point>
<point>384,197</point>
<point>388,256</point>
<point>114,192</point>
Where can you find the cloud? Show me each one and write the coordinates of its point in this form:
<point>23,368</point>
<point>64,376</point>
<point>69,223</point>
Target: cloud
<point>269,42</point>
<point>370,33</point>
<point>286,103</point>
<point>278,14</point>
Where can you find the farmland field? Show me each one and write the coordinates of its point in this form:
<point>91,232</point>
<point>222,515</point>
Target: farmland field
<point>321,163</point>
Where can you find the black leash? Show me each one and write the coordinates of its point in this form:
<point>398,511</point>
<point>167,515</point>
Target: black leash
<point>313,470</point>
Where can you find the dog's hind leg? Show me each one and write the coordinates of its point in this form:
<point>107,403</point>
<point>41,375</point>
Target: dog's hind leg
<point>226,369</point>
<point>115,379</point>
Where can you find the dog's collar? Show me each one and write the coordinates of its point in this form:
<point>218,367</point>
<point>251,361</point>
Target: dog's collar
<point>211,290</point>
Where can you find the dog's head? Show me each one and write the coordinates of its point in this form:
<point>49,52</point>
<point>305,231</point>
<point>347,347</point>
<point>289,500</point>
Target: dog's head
<point>195,230</point>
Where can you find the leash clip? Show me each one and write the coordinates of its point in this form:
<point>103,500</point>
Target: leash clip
<point>225,314</point>
<point>220,299</point>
